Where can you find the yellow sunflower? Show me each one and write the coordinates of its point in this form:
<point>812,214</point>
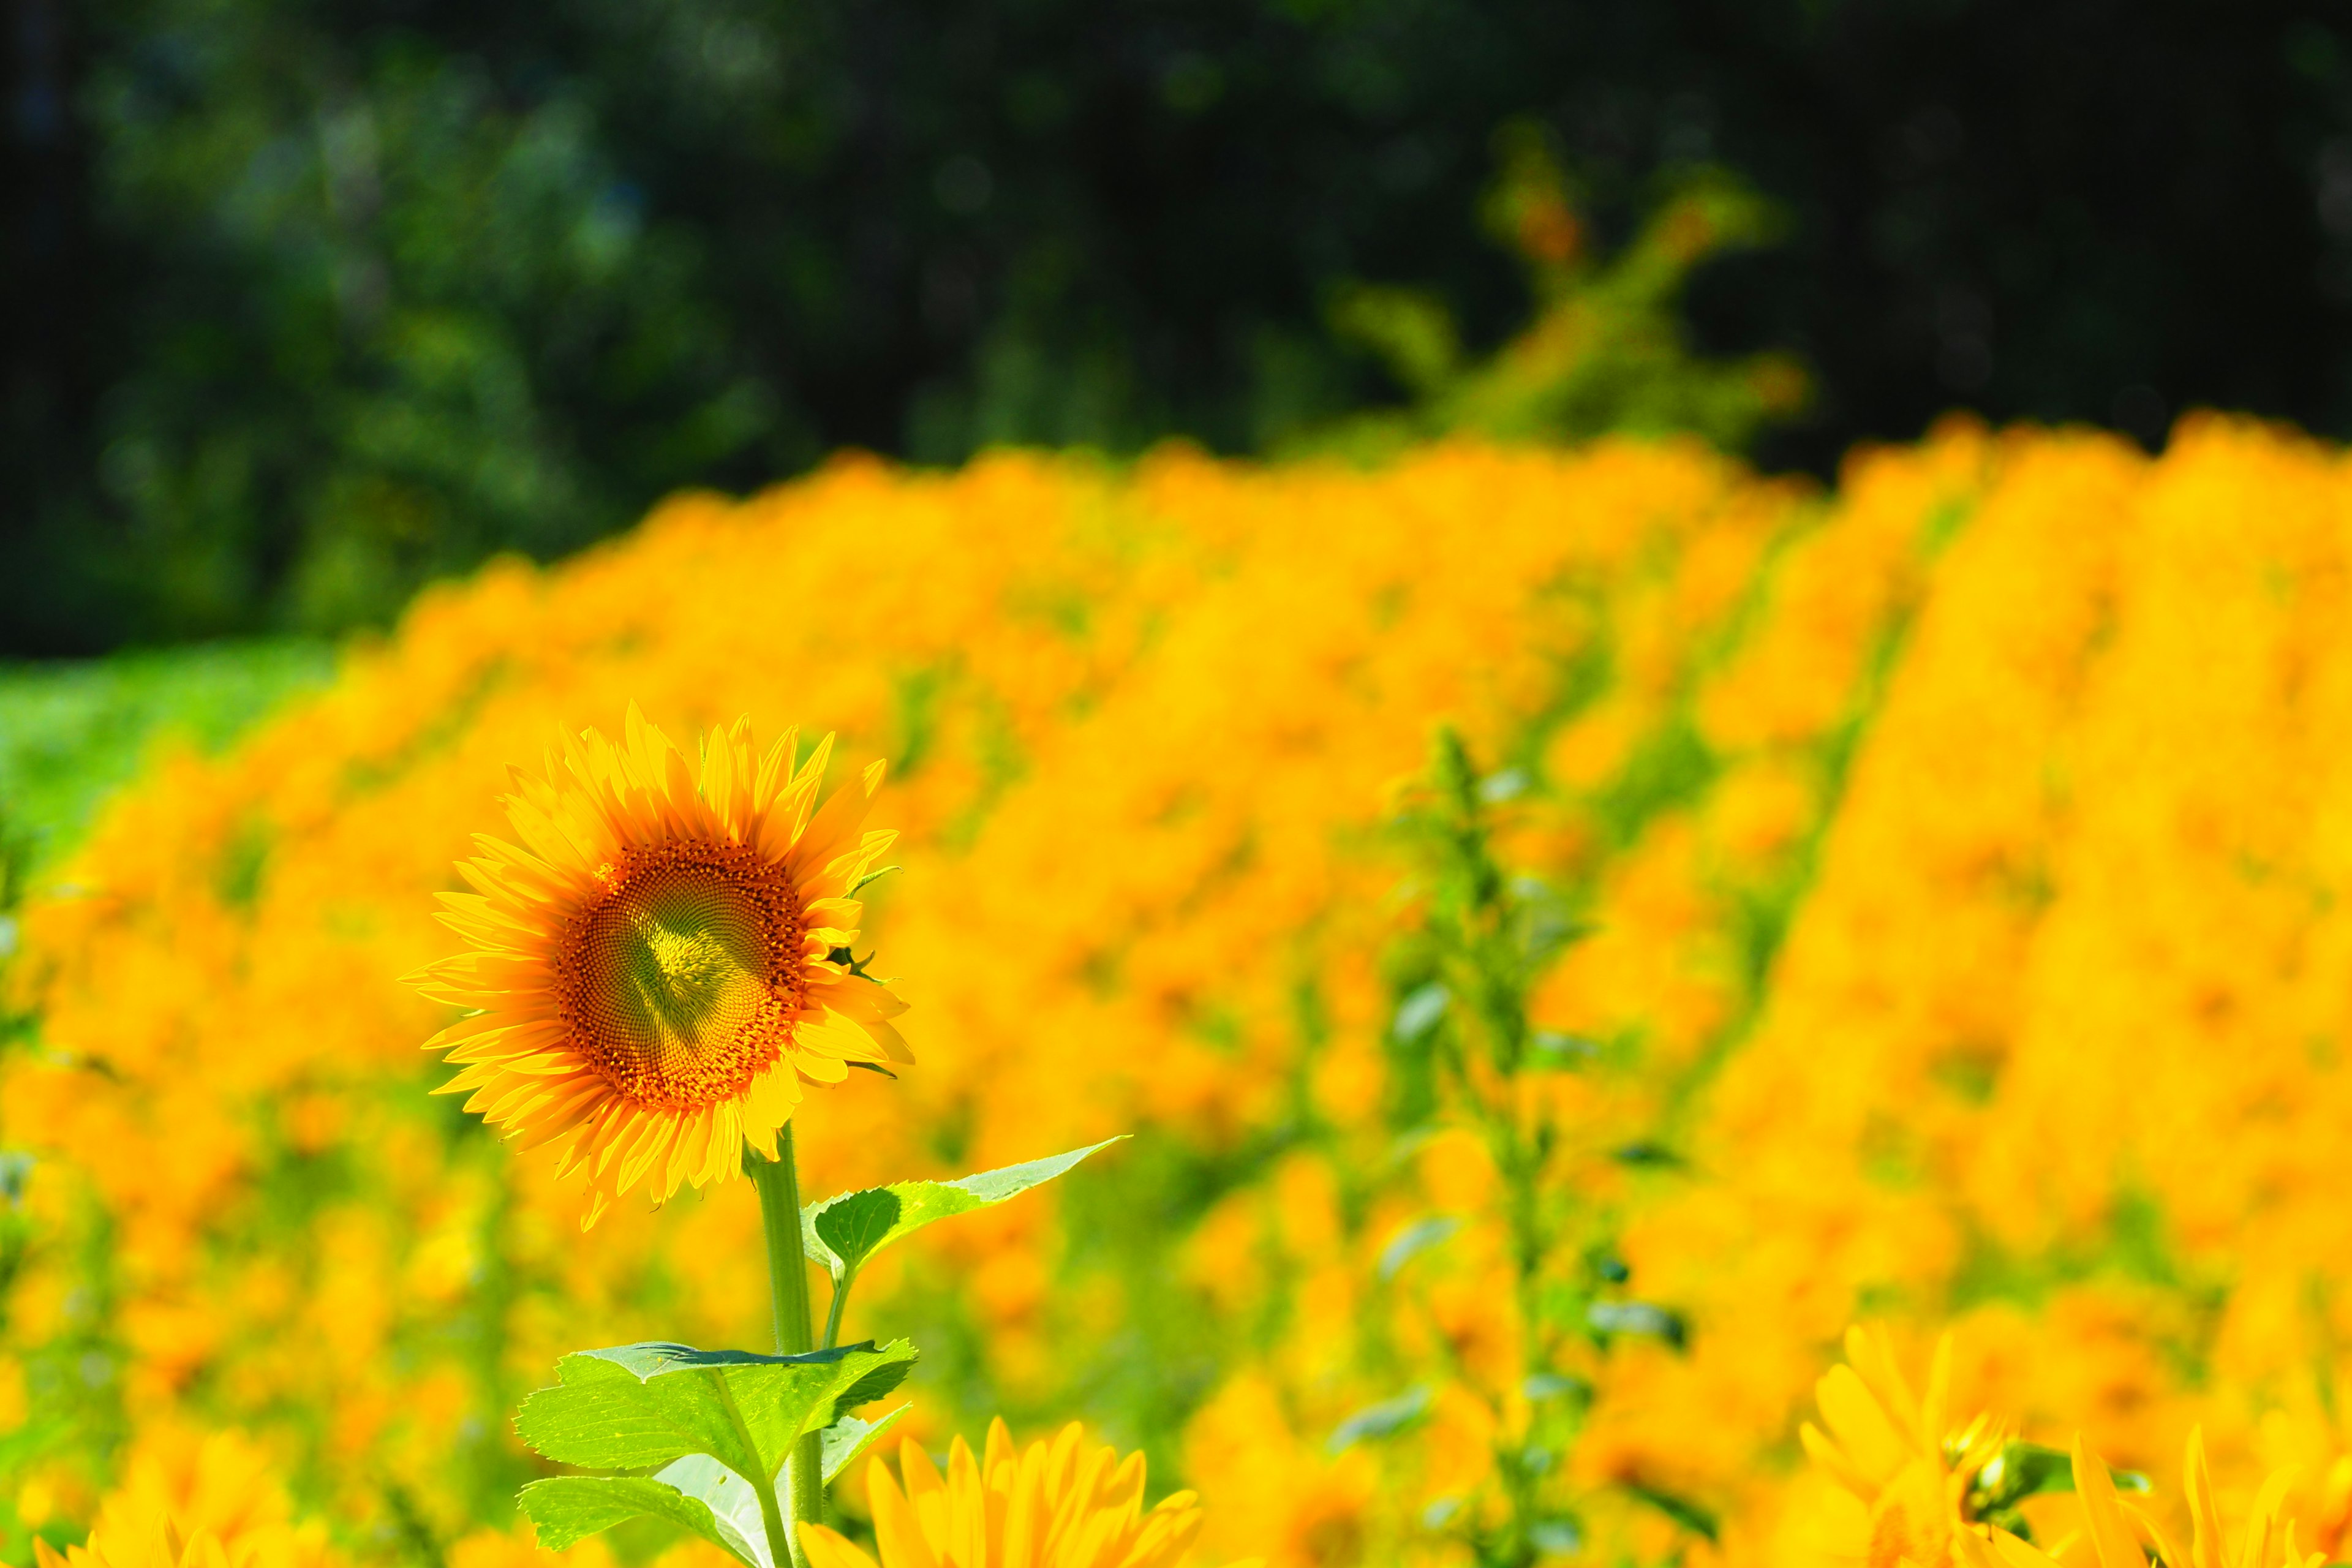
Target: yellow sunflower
<point>2268,1542</point>
<point>1051,1505</point>
<point>666,958</point>
<point>213,1505</point>
<point>1893,1450</point>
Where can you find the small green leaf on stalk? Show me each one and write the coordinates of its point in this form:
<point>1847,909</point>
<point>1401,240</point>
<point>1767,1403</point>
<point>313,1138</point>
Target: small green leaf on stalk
<point>848,1438</point>
<point>1644,1153</point>
<point>1681,1510</point>
<point>1509,785</point>
<point>1414,1239</point>
<point>1552,1050</point>
<point>570,1508</point>
<point>855,1225</point>
<point>1385,1419</point>
<point>919,1204</point>
<point>1544,1386</point>
<point>1418,1012</point>
<point>1556,1537</point>
<point>1638,1318</point>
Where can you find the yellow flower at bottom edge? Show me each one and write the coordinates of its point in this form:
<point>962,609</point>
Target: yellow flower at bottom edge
<point>664,962</point>
<point>2268,1542</point>
<point>221,1510</point>
<point>1890,1448</point>
<point>1051,1505</point>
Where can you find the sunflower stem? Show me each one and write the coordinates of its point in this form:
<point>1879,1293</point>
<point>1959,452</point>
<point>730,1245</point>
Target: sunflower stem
<point>780,1216</point>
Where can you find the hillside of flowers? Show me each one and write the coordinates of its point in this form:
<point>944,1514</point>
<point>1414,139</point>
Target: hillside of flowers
<point>1926,905</point>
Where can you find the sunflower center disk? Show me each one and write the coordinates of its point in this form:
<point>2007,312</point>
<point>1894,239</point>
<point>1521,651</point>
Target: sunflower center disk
<point>673,989</point>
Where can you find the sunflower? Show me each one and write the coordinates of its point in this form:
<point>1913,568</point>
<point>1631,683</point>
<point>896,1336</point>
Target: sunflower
<point>665,959</point>
<point>1891,1448</point>
<point>208,1506</point>
<point>1051,1505</point>
<point>2268,1541</point>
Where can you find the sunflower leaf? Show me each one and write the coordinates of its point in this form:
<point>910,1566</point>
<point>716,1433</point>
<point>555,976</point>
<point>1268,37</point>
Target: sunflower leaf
<point>568,1508</point>
<point>856,1225</point>
<point>848,1438</point>
<point>732,1501</point>
<point>637,1407</point>
<point>867,1223</point>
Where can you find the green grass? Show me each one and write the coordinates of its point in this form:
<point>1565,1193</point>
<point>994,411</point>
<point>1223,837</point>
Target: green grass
<point>72,733</point>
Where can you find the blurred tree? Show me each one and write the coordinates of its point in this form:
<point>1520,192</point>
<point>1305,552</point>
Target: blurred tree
<point>309,303</point>
<point>1606,351</point>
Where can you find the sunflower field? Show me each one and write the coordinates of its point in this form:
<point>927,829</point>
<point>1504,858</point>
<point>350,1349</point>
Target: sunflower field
<point>1566,935</point>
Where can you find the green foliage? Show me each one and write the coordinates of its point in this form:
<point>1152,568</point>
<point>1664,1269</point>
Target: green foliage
<point>637,1405</point>
<point>843,1232</point>
<point>425,274</point>
<point>849,1437</point>
<point>2022,1470</point>
<point>1385,1419</point>
<point>71,733</point>
<point>721,1424</point>
<point>1606,351</point>
<point>1485,935</point>
<point>567,1507</point>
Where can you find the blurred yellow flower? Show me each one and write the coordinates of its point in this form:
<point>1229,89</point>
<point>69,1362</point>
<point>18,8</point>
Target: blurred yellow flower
<point>1051,1505</point>
<point>1891,1449</point>
<point>665,959</point>
<point>2268,1541</point>
<point>183,1504</point>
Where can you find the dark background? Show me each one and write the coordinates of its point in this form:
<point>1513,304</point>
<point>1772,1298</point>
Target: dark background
<point>306,304</point>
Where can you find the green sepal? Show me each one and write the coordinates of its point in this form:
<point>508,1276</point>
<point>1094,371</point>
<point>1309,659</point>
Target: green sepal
<point>848,1438</point>
<point>571,1508</point>
<point>2021,1470</point>
<point>639,1407</point>
<point>844,1231</point>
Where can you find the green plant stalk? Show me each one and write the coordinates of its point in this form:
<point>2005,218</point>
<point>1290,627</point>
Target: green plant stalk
<point>841,1285</point>
<point>780,1216</point>
<point>1489,975</point>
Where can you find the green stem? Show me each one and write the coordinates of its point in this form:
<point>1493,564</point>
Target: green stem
<point>780,1216</point>
<point>840,1300</point>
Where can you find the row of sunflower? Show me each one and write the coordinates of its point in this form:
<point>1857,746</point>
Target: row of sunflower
<point>1924,901</point>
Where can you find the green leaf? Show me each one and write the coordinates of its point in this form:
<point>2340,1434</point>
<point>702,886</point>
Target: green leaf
<point>1691,1516</point>
<point>855,1225</point>
<point>1385,1419</point>
<point>919,1204</point>
<point>2021,1470</point>
<point>879,1383</point>
<point>638,1406</point>
<point>1414,1239</point>
<point>569,1508</point>
<point>731,1500</point>
<point>1638,1318</point>
<point>848,1438</point>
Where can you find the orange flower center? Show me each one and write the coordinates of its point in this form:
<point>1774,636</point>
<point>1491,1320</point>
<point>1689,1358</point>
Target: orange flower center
<point>681,983</point>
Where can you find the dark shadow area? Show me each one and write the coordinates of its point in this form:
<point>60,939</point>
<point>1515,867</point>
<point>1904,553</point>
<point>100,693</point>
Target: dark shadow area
<point>306,305</point>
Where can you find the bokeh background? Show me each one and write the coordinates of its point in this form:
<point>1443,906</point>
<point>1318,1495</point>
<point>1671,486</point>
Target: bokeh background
<point>1859,478</point>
